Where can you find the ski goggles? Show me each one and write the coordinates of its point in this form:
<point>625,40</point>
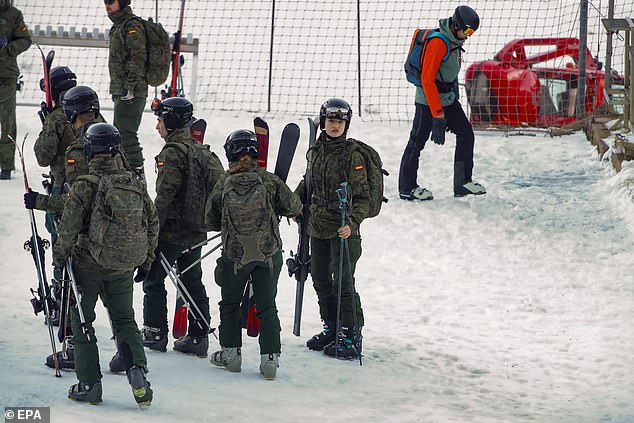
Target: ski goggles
<point>337,113</point>
<point>157,106</point>
<point>468,31</point>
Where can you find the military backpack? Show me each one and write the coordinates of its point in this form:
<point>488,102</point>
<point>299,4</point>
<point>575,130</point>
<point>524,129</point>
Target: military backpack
<point>202,167</point>
<point>375,172</point>
<point>249,225</point>
<point>159,52</point>
<point>117,230</point>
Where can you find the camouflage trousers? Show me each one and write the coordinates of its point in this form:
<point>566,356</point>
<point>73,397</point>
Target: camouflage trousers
<point>127,118</point>
<point>324,271</point>
<point>116,294</point>
<point>7,123</point>
<point>232,283</point>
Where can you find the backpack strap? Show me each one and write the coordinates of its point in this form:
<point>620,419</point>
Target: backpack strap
<point>93,179</point>
<point>435,33</point>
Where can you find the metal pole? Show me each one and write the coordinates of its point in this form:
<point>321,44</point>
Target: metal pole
<point>608,49</point>
<point>583,54</point>
<point>156,10</point>
<point>359,50</point>
<point>268,106</point>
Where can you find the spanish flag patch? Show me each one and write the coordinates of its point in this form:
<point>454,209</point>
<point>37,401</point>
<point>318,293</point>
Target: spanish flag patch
<point>24,28</point>
<point>360,167</point>
<point>70,161</point>
<point>132,31</point>
<point>160,164</point>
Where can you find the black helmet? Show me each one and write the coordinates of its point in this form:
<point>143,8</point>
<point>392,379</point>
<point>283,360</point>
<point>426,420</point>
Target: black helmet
<point>122,3</point>
<point>335,108</point>
<point>464,18</point>
<point>78,100</point>
<point>101,138</point>
<point>241,142</point>
<point>61,79</point>
<point>176,112</point>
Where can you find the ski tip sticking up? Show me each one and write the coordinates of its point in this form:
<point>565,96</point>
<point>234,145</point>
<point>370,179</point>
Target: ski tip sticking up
<point>197,129</point>
<point>262,133</point>
<point>288,145</point>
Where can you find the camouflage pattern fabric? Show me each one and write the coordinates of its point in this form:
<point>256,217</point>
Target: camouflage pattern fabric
<point>128,55</point>
<point>73,230</point>
<point>281,200</point>
<point>172,166</point>
<point>19,39</point>
<point>7,123</point>
<point>328,170</point>
<point>51,145</point>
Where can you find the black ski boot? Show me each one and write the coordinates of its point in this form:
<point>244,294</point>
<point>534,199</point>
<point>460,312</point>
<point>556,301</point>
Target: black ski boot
<point>5,175</point>
<point>347,346</point>
<point>196,345</point>
<point>116,364</point>
<point>155,338</point>
<point>323,338</point>
<point>140,386</point>
<point>65,359</point>
<point>86,392</point>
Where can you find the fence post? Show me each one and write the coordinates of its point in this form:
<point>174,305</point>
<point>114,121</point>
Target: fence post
<point>608,49</point>
<point>583,54</point>
<point>268,107</point>
<point>359,50</point>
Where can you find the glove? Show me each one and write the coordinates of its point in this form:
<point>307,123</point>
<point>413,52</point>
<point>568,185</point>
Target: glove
<point>128,96</point>
<point>438,130</point>
<point>30,198</point>
<point>141,274</point>
<point>3,41</point>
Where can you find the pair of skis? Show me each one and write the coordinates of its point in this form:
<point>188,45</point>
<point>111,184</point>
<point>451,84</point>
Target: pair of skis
<point>286,152</point>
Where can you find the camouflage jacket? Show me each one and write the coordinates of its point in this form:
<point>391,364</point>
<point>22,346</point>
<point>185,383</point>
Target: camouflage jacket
<point>19,39</point>
<point>332,162</point>
<point>50,146</point>
<point>282,199</point>
<point>128,55</point>
<point>171,167</point>
<point>72,231</point>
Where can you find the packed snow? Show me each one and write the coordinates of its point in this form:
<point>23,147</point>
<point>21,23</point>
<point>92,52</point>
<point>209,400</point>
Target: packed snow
<point>515,306</point>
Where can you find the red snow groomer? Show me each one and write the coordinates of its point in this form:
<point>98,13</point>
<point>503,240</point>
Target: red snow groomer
<point>532,81</point>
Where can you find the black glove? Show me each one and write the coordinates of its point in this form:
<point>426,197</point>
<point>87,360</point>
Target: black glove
<point>141,274</point>
<point>3,41</point>
<point>438,130</point>
<point>30,199</point>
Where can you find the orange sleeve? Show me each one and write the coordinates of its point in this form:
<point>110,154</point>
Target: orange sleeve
<point>434,53</point>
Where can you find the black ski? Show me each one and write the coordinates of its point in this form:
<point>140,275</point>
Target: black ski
<point>299,264</point>
<point>288,145</point>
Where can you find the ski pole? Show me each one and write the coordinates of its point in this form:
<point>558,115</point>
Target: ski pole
<point>342,193</point>
<point>179,274</point>
<point>200,244</point>
<point>41,272</point>
<point>184,293</point>
<point>80,310</point>
<point>354,302</point>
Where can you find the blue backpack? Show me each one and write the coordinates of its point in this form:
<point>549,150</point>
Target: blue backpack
<point>414,62</point>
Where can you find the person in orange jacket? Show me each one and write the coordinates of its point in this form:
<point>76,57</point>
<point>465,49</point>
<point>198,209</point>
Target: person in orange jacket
<point>438,109</point>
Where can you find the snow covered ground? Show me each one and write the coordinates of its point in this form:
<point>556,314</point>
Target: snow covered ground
<point>516,306</point>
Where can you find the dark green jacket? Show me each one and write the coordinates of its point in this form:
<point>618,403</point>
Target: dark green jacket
<point>51,145</point>
<point>72,232</point>
<point>449,70</point>
<point>172,168</point>
<point>18,35</point>
<point>333,161</point>
<point>128,55</point>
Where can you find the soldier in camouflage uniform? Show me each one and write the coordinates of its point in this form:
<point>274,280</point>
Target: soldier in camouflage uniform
<point>18,41</point>
<point>55,137</point>
<point>175,236</point>
<point>333,161</point>
<point>80,109</point>
<point>128,84</point>
<point>96,277</point>
<point>245,205</point>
